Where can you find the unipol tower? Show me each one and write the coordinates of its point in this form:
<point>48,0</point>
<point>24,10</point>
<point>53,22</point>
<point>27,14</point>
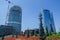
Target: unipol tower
<point>14,18</point>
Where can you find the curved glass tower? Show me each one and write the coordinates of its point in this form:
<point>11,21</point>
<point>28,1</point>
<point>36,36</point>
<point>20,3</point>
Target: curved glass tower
<point>48,21</point>
<point>14,18</point>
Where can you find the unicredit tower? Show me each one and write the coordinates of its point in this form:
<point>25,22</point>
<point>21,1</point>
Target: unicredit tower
<point>14,18</point>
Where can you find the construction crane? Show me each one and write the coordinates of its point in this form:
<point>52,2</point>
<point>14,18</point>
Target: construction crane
<point>9,2</point>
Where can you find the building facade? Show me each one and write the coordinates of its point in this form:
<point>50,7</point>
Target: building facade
<point>7,30</point>
<point>48,21</point>
<point>14,18</point>
<point>31,32</point>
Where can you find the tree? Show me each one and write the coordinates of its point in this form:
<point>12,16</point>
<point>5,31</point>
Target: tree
<point>41,29</point>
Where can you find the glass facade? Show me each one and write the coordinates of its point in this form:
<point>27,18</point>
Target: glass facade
<point>48,21</point>
<point>14,18</point>
<point>6,30</point>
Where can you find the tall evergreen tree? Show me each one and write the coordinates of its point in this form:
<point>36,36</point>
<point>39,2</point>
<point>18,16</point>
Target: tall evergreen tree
<point>41,31</point>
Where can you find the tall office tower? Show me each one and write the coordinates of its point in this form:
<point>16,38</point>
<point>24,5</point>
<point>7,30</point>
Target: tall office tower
<point>48,21</point>
<point>14,18</point>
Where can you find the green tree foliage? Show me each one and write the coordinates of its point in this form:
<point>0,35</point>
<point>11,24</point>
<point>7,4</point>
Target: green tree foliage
<point>58,33</point>
<point>53,33</point>
<point>41,33</point>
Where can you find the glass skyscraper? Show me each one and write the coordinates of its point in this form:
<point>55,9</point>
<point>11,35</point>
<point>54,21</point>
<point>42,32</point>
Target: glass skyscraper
<point>48,21</point>
<point>14,18</point>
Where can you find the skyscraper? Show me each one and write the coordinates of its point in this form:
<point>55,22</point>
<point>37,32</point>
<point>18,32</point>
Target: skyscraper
<point>48,21</point>
<point>14,18</point>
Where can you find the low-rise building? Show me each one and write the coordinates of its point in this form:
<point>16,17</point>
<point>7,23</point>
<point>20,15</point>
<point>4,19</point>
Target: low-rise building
<point>7,30</point>
<point>33,32</point>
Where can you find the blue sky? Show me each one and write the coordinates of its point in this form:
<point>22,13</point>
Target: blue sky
<point>31,10</point>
